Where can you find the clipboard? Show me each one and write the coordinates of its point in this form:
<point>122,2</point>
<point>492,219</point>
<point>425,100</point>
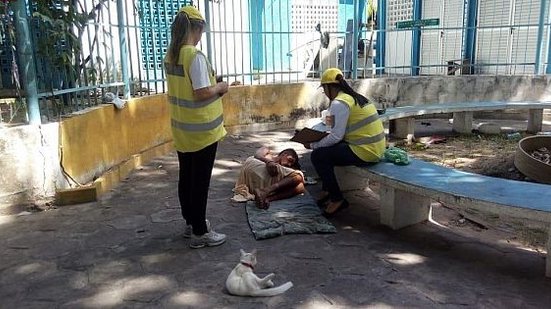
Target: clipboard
<point>308,135</point>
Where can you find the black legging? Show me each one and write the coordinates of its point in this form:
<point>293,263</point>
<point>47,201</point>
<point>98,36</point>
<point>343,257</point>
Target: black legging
<point>325,159</point>
<point>193,185</point>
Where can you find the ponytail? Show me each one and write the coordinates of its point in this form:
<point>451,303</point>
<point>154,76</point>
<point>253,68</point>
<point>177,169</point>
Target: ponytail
<point>179,32</point>
<point>345,87</point>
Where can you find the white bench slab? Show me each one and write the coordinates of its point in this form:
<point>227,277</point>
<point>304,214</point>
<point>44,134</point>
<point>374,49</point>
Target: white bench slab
<point>407,192</point>
<point>404,120</point>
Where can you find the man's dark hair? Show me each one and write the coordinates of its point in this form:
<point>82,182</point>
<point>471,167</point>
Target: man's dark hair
<point>296,165</point>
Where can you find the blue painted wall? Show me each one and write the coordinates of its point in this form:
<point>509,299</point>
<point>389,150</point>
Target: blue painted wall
<point>346,12</point>
<point>270,38</point>
<point>256,15</point>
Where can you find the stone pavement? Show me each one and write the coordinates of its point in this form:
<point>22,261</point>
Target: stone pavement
<point>126,251</point>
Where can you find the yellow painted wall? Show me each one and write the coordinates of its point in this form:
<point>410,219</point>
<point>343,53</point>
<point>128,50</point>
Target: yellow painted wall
<point>105,138</point>
<point>97,139</point>
<point>245,105</point>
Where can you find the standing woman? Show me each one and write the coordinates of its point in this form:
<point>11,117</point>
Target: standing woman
<point>356,137</point>
<point>197,122</point>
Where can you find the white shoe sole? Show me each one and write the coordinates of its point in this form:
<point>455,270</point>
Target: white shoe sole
<point>212,244</point>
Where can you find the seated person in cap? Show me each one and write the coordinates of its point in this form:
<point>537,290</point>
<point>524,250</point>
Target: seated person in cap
<point>356,137</point>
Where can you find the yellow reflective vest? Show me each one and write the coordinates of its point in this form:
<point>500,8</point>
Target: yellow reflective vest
<point>364,130</point>
<point>195,124</point>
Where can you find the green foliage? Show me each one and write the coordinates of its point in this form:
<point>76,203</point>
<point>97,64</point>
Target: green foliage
<point>58,43</point>
<point>62,24</point>
<point>6,24</point>
<point>7,39</point>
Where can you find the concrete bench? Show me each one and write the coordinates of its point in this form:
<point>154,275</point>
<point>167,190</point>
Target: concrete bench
<point>403,117</point>
<point>407,191</point>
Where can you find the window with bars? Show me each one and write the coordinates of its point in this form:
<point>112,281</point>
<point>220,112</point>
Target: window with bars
<point>399,10</point>
<point>305,15</point>
<point>155,20</point>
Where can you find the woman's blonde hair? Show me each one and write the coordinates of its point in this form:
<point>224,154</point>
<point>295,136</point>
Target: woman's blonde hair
<point>181,28</point>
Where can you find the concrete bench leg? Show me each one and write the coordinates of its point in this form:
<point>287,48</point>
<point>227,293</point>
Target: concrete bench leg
<point>401,208</point>
<point>403,127</point>
<point>351,178</point>
<point>535,118</point>
<point>463,122</point>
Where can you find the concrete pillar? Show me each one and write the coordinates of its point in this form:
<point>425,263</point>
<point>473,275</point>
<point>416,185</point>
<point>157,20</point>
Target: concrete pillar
<point>463,122</point>
<point>403,127</point>
<point>401,208</point>
<point>535,118</point>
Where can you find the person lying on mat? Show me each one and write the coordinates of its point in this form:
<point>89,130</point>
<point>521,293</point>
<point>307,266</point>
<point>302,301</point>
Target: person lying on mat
<point>271,177</point>
<point>356,137</point>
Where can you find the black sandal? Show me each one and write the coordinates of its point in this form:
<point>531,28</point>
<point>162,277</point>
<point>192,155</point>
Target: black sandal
<point>342,206</point>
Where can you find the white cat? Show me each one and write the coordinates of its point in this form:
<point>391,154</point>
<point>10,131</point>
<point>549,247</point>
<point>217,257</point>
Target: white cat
<point>243,282</point>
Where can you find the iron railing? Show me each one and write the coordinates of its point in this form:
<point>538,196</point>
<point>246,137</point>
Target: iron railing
<point>122,43</point>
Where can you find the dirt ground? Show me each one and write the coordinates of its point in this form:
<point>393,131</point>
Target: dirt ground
<point>490,155</point>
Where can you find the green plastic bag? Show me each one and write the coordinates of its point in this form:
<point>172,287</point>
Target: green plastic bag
<point>397,156</point>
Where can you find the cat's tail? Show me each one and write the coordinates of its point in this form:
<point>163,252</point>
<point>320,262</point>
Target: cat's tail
<point>273,291</point>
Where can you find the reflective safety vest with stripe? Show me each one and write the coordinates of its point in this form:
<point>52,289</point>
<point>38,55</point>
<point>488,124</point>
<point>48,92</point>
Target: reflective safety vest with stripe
<point>364,130</point>
<point>195,124</point>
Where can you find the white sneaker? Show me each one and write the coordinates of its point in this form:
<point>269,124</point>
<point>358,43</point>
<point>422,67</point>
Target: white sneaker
<point>188,230</point>
<point>209,239</point>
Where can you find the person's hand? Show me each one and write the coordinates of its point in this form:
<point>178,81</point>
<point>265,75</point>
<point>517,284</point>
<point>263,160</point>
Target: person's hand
<point>222,88</point>
<point>307,146</point>
<point>271,167</point>
<point>330,121</point>
<point>262,152</point>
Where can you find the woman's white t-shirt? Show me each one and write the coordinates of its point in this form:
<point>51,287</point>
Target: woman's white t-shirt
<point>199,72</point>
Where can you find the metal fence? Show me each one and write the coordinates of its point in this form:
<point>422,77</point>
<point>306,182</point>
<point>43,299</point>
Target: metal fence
<point>79,53</point>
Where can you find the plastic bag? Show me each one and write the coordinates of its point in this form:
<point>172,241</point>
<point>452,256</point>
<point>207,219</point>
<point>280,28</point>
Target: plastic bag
<point>397,156</point>
<point>110,97</point>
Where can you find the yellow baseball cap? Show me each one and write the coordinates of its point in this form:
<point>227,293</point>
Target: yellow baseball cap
<point>192,12</point>
<point>330,76</point>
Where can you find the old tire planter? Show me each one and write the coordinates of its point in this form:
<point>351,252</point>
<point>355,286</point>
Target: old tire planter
<point>528,165</point>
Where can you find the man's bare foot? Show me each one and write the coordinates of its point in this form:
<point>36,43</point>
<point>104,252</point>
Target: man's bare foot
<point>323,199</point>
<point>260,199</point>
<point>334,207</point>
